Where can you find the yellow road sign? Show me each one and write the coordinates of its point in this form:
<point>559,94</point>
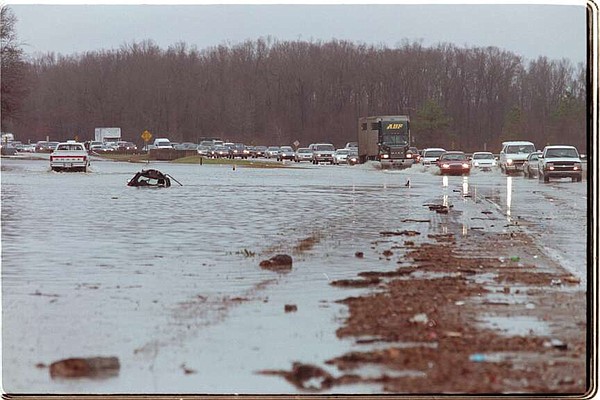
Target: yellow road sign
<point>146,136</point>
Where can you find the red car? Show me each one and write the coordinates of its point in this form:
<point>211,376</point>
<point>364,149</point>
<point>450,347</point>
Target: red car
<point>454,163</point>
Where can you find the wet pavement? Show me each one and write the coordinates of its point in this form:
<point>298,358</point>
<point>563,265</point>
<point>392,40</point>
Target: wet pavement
<point>168,280</point>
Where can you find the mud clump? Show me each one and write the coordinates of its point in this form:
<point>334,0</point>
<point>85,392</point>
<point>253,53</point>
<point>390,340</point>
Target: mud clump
<point>356,283</point>
<point>359,254</point>
<point>85,367</point>
<point>278,263</point>
<point>288,308</point>
<point>399,233</point>
<point>305,376</point>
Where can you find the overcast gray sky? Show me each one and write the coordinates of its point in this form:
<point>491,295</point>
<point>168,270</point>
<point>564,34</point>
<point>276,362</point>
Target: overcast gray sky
<point>555,31</point>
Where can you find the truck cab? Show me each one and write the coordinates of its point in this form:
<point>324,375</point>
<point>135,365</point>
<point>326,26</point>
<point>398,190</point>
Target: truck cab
<point>385,139</point>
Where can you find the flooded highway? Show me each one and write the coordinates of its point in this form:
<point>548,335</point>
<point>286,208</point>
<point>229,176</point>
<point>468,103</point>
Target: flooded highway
<point>168,280</point>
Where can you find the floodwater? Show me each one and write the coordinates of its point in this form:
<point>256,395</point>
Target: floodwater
<point>167,280</point>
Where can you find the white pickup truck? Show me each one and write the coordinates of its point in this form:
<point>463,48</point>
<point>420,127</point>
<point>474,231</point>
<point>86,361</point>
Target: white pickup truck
<point>560,162</point>
<point>69,155</point>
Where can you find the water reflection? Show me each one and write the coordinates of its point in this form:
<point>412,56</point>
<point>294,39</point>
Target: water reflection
<point>508,195</point>
<point>445,181</point>
<point>465,186</point>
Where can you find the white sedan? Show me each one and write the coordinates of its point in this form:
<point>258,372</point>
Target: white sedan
<point>484,160</point>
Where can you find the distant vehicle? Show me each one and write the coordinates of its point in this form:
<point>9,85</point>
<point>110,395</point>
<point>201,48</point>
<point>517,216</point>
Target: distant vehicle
<point>431,155</point>
<point>341,156</point>
<point>204,150</point>
<point>272,152</point>
<point>454,163</point>
<point>413,153</point>
<point>107,134</point>
<point>514,154</point>
<point>560,162</point>
<point>162,143</point>
<point>351,145</point>
<point>323,152</point>
<point>352,158</point>
<point>185,146</point>
<point>70,155</point>
<point>238,150</point>
<point>285,153</point>
<point>259,151</point>
<point>45,147</point>
<point>484,160</point>
<point>123,146</point>
<point>303,154</point>
<point>220,152</point>
<point>7,137</point>
<point>531,166</point>
<point>385,139</point>
<point>26,148</point>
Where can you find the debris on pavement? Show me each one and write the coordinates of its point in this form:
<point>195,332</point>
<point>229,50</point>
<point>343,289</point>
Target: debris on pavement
<point>85,367</point>
<point>279,263</point>
<point>399,233</point>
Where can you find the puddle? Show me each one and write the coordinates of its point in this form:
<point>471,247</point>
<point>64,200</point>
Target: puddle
<point>376,371</point>
<point>515,325</point>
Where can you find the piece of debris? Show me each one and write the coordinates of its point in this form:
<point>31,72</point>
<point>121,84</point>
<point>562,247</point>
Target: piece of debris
<point>187,370</point>
<point>290,308</point>
<point>419,318</point>
<point>356,283</point>
<point>305,376</point>
<point>438,206</point>
<point>279,262</point>
<point>406,233</point>
<point>359,254</point>
<point>151,178</point>
<point>557,344</point>
<point>451,334</point>
<point>85,367</point>
<point>388,253</point>
<point>409,243</point>
<point>572,279</point>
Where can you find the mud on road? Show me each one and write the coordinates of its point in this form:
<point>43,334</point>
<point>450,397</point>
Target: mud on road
<point>477,314</point>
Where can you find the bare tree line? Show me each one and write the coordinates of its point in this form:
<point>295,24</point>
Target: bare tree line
<point>275,92</point>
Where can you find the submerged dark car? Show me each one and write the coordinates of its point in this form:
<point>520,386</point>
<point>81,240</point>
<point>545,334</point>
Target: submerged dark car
<point>150,178</point>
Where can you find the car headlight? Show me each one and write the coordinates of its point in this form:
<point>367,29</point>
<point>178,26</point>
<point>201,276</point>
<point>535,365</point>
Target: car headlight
<point>476,164</point>
<point>509,161</point>
<point>465,165</point>
<point>576,166</point>
<point>385,156</point>
<point>409,155</point>
<point>445,165</point>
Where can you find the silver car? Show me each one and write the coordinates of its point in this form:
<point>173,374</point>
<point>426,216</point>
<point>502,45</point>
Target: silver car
<point>303,154</point>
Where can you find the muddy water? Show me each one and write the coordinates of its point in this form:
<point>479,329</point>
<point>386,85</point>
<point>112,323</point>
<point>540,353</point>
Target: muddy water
<point>168,279</point>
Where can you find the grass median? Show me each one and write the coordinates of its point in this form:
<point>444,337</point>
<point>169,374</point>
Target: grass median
<point>252,163</point>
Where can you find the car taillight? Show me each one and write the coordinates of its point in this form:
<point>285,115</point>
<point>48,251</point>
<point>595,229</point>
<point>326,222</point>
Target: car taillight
<point>84,158</point>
